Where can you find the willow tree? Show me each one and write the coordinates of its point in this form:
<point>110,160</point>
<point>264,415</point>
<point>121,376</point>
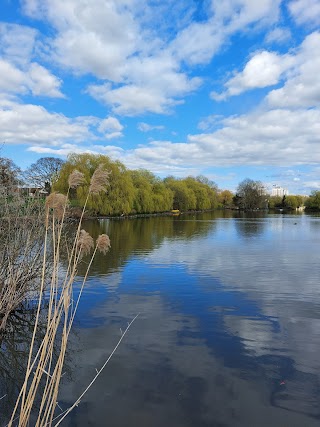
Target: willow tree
<point>225,198</point>
<point>204,194</point>
<point>143,201</point>
<point>120,194</point>
<point>183,196</point>
<point>162,197</point>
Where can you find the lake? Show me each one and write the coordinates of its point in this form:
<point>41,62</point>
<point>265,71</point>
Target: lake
<point>228,332</point>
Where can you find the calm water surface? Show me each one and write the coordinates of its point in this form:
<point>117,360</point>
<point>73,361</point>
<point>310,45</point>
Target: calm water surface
<point>228,332</point>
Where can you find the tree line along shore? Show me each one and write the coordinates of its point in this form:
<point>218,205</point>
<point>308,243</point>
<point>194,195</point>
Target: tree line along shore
<point>139,192</point>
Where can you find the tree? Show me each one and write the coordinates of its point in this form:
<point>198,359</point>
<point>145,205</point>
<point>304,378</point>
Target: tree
<point>226,198</point>
<point>275,202</point>
<point>162,197</point>
<point>44,172</point>
<point>251,195</point>
<point>204,190</point>
<point>9,175</point>
<point>313,202</point>
<point>206,181</point>
<point>291,202</point>
<point>120,195</point>
<point>143,199</point>
<point>184,198</point>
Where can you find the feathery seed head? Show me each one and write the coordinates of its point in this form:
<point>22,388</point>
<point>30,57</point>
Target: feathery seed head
<point>58,202</point>
<point>85,242</point>
<point>99,180</point>
<point>76,178</point>
<point>103,243</point>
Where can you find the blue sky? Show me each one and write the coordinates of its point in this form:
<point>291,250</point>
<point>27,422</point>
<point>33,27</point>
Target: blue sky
<point>225,88</point>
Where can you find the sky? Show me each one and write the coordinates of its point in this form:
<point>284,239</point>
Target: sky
<point>225,88</point>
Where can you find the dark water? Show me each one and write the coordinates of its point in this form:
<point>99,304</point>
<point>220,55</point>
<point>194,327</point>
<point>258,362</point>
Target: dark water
<point>228,332</point>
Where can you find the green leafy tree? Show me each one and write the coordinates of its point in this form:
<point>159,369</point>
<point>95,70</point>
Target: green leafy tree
<point>203,200</point>
<point>313,202</point>
<point>143,184</point>
<point>162,197</point>
<point>291,202</point>
<point>184,198</point>
<point>275,202</point>
<point>120,195</point>
<point>225,198</point>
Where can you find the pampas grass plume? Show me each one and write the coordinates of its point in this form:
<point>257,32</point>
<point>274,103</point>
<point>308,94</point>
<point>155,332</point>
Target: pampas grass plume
<point>85,242</point>
<point>76,178</point>
<point>103,243</point>
<point>99,180</point>
<point>58,202</point>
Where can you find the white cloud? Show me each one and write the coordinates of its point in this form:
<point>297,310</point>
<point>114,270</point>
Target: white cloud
<point>314,185</point>
<point>42,82</point>
<point>66,149</point>
<point>134,99</point>
<point>111,128</point>
<point>27,123</point>
<point>35,79</point>
<point>18,74</point>
<point>276,137</point>
<point>299,70</point>
<point>34,125</point>
<point>263,69</point>
<point>210,122</point>
<point>305,11</point>
<point>145,127</point>
<point>302,88</point>
<point>143,66</point>
<point>278,35</point>
<point>17,43</point>
<point>11,78</point>
<point>199,41</point>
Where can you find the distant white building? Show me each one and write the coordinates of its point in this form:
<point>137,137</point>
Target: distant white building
<point>279,191</point>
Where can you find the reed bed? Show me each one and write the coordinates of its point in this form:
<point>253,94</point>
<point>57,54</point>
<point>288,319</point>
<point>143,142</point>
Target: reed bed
<point>38,396</point>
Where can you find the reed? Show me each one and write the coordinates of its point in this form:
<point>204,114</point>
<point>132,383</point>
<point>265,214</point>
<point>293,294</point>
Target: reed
<point>39,393</point>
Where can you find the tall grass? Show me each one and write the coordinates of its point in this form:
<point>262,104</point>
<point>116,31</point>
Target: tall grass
<point>38,397</point>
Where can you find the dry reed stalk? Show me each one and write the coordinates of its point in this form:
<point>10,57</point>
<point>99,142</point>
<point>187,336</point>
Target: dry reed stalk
<point>61,310</point>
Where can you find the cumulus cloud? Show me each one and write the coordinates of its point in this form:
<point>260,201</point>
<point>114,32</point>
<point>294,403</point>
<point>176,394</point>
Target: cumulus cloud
<point>11,78</point>
<point>28,123</point>
<point>17,43</point>
<point>35,79</point>
<point>33,125</point>
<point>263,69</point>
<point>156,96</point>
<point>275,137</point>
<point>18,74</point>
<point>42,82</point>
<point>143,68</point>
<point>305,12</point>
<point>298,70</point>
<point>111,128</point>
<point>302,88</point>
